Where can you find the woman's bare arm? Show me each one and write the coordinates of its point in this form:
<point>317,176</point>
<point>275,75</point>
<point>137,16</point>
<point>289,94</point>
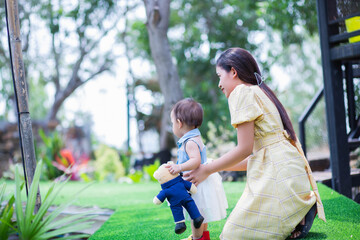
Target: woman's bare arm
<point>241,166</point>
<point>245,138</point>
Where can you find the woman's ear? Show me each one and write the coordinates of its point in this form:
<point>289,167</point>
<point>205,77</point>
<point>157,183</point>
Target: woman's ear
<point>233,72</point>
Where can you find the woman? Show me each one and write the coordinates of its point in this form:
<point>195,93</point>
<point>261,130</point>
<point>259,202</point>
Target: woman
<point>277,200</point>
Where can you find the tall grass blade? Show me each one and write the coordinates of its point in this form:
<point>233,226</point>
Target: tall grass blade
<point>18,203</point>
<point>42,225</point>
<point>31,200</point>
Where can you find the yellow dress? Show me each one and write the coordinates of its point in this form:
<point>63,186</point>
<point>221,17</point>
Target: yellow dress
<point>280,189</point>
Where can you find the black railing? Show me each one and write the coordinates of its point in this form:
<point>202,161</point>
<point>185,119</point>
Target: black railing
<point>304,116</point>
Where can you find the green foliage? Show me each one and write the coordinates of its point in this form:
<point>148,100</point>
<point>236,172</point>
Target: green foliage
<point>136,176</point>
<point>85,22</point>
<point>200,30</point>
<point>38,97</point>
<point>32,225</point>
<point>298,93</point>
<point>6,213</point>
<point>286,15</point>
<point>51,147</point>
<point>138,40</point>
<point>107,164</point>
<point>219,144</point>
<point>125,159</point>
<point>150,169</point>
<point>10,173</point>
<point>203,38</point>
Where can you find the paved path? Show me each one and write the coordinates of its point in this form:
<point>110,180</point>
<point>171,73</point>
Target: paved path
<point>101,215</point>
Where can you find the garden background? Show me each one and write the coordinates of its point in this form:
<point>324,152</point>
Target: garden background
<point>99,89</point>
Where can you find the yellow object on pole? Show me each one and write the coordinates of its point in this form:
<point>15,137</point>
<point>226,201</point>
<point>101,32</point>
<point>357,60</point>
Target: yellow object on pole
<point>353,24</point>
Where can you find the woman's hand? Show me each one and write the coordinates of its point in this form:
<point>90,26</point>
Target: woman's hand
<point>197,175</point>
<point>174,168</point>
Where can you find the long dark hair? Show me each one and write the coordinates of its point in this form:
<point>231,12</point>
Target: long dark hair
<point>246,67</point>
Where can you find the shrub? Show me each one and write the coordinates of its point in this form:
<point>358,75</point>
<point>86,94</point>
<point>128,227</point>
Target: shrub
<point>107,164</point>
<point>150,169</point>
<point>48,152</point>
<point>136,176</point>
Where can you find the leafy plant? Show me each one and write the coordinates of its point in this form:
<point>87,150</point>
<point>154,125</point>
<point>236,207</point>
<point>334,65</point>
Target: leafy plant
<point>136,176</point>
<point>51,149</point>
<point>107,164</point>
<point>43,225</point>
<point>150,169</point>
<point>125,159</point>
<point>6,213</point>
<point>74,168</point>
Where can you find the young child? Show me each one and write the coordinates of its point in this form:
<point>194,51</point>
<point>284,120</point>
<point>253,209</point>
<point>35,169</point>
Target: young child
<point>277,201</point>
<point>186,117</point>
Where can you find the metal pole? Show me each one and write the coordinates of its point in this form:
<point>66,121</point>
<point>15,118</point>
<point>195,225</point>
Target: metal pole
<point>304,116</point>
<point>128,114</point>
<point>21,96</point>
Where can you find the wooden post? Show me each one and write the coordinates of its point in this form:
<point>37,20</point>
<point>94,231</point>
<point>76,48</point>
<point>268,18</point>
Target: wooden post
<point>21,96</point>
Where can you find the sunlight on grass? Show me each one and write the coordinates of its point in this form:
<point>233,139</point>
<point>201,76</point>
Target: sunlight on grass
<point>136,217</point>
<point>149,221</point>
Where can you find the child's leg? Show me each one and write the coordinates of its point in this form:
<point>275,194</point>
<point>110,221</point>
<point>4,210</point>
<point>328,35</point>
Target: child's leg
<point>206,234</point>
<point>197,233</point>
<point>205,226</point>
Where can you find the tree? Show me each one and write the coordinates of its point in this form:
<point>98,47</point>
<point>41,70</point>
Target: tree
<point>90,21</point>
<point>158,14</point>
<point>200,30</point>
<point>71,44</point>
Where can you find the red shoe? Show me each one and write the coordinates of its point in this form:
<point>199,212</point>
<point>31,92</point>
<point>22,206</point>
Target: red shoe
<point>206,235</point>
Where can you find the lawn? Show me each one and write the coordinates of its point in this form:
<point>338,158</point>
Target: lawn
<point>136,217</point>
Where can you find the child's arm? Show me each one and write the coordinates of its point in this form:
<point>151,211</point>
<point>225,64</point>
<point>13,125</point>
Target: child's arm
<point>194,161</point>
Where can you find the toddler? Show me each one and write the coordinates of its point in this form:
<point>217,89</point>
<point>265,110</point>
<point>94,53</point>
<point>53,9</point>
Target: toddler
<point>186,117</point>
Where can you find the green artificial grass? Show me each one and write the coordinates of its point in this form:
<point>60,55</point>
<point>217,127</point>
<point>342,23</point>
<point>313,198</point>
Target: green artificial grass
<point>103,195</point>
<point>136,217</point>
<point>148,221</point>
<point>342,217</point>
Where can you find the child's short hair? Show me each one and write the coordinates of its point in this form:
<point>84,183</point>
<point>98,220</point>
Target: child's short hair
<point>189,111</point>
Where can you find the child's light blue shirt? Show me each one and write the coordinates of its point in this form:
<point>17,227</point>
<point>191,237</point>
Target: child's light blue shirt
<point>182,156</point>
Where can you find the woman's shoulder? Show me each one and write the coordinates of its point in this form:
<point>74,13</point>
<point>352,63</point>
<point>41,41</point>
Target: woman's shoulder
<point>241,90</point>
<point>242,93</point>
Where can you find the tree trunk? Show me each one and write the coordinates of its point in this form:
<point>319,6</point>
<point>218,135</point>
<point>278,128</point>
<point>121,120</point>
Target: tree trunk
<point>21,97</point>
<point>158,13</point>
